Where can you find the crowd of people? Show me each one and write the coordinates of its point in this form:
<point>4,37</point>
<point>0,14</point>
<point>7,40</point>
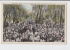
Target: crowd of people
<point>29,31</point>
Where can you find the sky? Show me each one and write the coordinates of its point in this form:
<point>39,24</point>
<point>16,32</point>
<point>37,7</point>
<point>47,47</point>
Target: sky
<point>28,7</point>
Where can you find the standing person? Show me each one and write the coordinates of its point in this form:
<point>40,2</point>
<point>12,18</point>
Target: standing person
<point>31,38</point>
<point>36,37</point>
<point>34,30</point>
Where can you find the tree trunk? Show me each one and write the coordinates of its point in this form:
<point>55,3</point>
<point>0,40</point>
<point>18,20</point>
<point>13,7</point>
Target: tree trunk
<point>61,16</point>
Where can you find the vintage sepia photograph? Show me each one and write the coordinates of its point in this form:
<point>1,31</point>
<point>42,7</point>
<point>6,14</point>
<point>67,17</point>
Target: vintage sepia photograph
<point>34,22</point>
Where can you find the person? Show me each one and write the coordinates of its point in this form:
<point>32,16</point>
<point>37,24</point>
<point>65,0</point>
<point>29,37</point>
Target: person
<point>31,36</point>
<point>42,40</point>
<point>36,37</point>
<point>33,29</point>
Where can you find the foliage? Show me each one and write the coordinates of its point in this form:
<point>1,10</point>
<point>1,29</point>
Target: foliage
<point>40,13</point>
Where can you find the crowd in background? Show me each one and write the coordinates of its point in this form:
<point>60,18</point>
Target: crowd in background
<point>29,31</point>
